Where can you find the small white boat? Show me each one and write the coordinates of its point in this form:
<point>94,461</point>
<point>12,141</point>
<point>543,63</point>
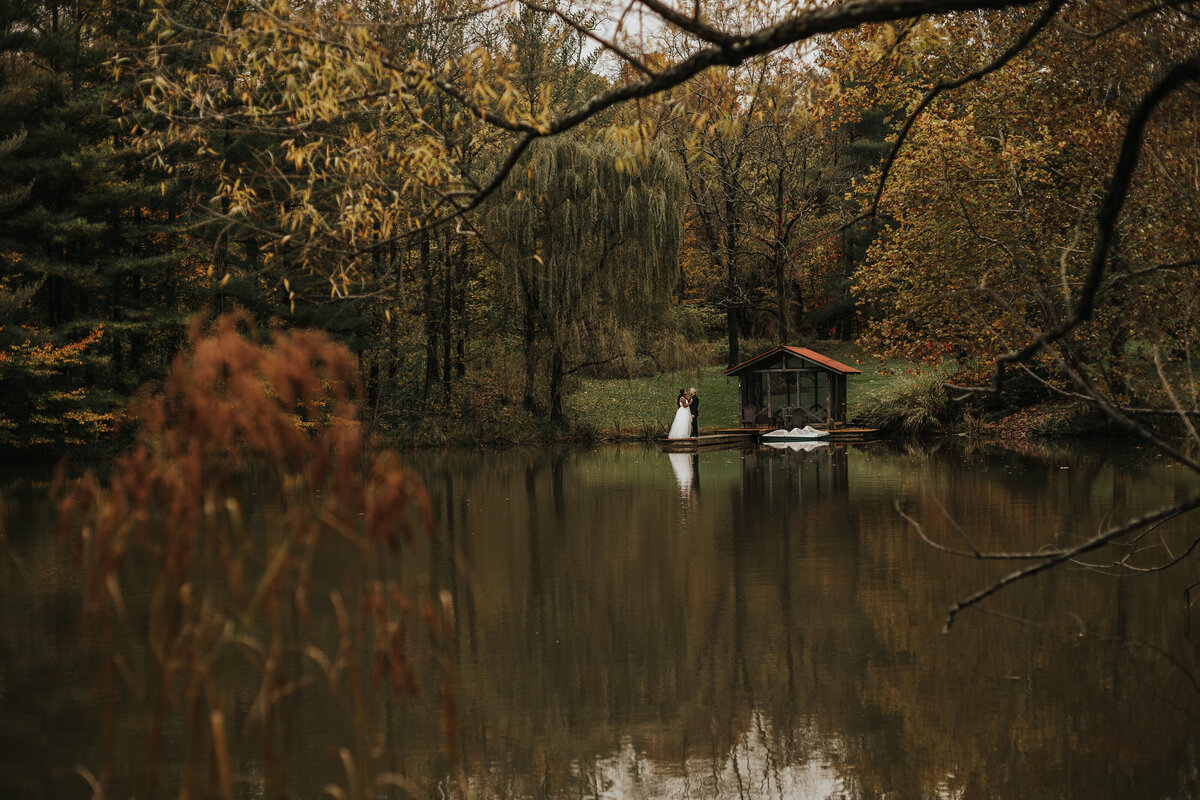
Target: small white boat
<point>804,434</point>
<point>806,446</point>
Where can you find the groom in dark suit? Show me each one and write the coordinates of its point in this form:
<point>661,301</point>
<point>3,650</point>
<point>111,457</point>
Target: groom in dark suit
<point>695,408</point>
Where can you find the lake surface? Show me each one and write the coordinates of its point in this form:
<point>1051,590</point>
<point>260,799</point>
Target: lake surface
<point>628,624</point>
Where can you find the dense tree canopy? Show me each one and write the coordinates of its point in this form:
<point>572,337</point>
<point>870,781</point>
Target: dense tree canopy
<point>990,232</point>
<point>393,166</point>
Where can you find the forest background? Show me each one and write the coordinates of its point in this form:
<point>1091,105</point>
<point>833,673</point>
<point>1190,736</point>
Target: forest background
<point>488,202</point>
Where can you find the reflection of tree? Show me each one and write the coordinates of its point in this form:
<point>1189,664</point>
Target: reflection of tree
<point>805,474</point>
<point>782,642</point>
<point>793,624</point>
<point>1059,672</point>
<point>43,696</point>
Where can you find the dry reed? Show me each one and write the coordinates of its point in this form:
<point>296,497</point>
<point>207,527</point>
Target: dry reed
<point>190,585</point>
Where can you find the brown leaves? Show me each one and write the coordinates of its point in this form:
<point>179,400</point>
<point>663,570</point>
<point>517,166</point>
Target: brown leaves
<point>230,397</point>
<point>224,564</point>
<point>230,403</point>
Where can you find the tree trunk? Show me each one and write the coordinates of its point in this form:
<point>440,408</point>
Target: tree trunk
<point>371,384</point>
<point>556,385</point>
<point>460,307</point>
<point>529,330</point>
<point>798,303</point>
<point>431,349</point>
<point>397,263</point>
<point>733,309</point>
<point>779,257</point>
<point>444,320</point>
<point>783,295</point>
<point>731,320</point>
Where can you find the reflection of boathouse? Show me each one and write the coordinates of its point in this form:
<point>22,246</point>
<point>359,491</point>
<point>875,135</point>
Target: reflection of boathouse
<point>779,477</point>
<point>791,386</point>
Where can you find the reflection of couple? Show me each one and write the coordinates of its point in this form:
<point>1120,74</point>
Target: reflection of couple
<point>687,472</point>
<point>685,417</point>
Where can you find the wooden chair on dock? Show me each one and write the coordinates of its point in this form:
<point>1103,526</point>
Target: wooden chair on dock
<point>748,417</point>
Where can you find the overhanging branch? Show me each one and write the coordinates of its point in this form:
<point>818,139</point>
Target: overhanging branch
<point>1066,554</point>
<point>1106,220</point>
<point>1012,52</point>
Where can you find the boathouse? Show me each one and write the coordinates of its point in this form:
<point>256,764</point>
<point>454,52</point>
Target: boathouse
<point>789,387</point>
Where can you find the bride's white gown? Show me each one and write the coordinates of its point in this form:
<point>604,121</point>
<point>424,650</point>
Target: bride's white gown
<point>681,428</point>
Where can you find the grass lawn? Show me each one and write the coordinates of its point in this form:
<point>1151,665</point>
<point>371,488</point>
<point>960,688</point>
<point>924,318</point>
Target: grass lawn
<point>646,406</point>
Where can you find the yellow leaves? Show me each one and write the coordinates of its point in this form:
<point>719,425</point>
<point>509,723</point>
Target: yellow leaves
<point>483,93</point>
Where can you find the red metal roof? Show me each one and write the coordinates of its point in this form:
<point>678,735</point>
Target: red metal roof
<point>802,352</point>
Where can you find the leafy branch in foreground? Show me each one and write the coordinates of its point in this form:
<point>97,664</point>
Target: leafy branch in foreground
<point>365,133</point>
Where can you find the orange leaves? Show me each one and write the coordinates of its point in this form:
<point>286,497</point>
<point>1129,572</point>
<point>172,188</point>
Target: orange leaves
<point>230,397</point>
<point>396,505</point>
<point>390,611</point>
<point>249,496</point>
<point>288,413</point>
<point>49,357</point>
<point>995,195</point>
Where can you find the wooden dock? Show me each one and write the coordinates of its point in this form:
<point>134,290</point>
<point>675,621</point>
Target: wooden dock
<point>722,439</point>
<point>729,438</point>
<point>852,435</point>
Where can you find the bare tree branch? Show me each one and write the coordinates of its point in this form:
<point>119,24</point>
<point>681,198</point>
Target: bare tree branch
<point>1170,392</point>
<point>974,552</point>
<point>1129,19</point>
<point>1137,273</point>
<point>584,30</point>
<point>498,178</point>
<point>796,28</point>
<point>732,51</point>
<point>691,24</point>
<point>1067,554</point>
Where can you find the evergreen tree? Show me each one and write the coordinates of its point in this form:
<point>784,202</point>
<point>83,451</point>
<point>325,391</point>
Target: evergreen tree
<point>88,227</point>
<point>860,147</point>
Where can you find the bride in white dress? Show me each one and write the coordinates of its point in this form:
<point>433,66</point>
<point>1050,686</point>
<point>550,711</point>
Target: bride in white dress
<point>681,428</point>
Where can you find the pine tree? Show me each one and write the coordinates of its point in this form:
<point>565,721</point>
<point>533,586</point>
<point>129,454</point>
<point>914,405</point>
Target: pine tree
<point>88,227</point>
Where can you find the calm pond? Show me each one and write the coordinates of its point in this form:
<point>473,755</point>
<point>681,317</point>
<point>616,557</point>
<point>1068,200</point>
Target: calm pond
<point>629,624</point>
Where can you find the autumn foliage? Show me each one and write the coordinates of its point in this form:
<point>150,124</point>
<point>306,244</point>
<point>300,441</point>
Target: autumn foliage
<point>991,204</point>
<point>234,577</point>
<point>42,405</point>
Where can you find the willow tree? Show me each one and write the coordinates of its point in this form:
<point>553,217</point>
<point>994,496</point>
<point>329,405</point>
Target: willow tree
<point>589,237</point>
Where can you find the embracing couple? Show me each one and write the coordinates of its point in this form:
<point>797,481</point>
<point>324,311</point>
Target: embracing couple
<point>685,417</point>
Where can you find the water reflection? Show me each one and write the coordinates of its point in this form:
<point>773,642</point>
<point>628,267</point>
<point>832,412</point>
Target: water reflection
<point>685,467</point>
<point>780,639</point>
<point>797,446</point>
<point>786,641</point>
